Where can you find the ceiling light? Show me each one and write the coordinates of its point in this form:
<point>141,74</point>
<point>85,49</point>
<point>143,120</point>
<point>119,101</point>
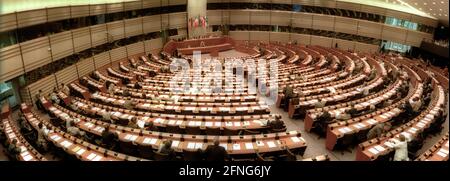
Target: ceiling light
<point>424,3</point>
<point>434,2</point>
<point>442,2</point>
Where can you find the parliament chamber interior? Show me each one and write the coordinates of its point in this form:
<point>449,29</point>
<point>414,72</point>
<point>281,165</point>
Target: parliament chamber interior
<point>224,80</point>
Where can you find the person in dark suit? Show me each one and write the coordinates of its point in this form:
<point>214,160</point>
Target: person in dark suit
<point>13,150</point>
<point>288,94</point>
<point>137,85</point>
<point>166,148</point>
<point>215,152</point>
<point>322,122</point>
<point>353,111</point>
<point>408,109</point>
<point>109,139</point>
<point>277,123</point>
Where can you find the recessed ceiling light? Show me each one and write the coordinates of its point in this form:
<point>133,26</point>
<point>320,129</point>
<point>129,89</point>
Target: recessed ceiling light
<point>445,15</point>
<point>440,9</point>
<point>424,3</point>
<point>415,3</point>
<point>442,2</point>
<point>431,9</point>
<point>434,2</point>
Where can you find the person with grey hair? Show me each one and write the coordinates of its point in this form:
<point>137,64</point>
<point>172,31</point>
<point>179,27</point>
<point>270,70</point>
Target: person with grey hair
<point>215,152</point>
<point>378,130</point>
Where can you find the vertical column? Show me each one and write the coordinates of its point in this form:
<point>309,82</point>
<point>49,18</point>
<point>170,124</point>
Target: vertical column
<point>196,15</point>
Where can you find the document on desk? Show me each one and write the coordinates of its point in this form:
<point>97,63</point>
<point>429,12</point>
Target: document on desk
<point>224,145</point>
<point>80,151</point>
<point>76,149</point>
<point>198,145</point>
<point>133,137</point>
<point>373,151</point>
<point>55,137</point>
<point>236,146</point>
<point>388,144</point>
<point>175,144</point>
<point>379,148</point>
<point>208,124</point>
<point>191,145</point>
<point>66,143</point>
<point>249,146</point>
<point>97,158</point>
<point>442,154</point>
<point>421,125</point>
<point>271,144</point>
<point>295,139</point>
<point>91,156</point>
<point>371,121</point>
<point>259,143</point>
<point>27,157</point>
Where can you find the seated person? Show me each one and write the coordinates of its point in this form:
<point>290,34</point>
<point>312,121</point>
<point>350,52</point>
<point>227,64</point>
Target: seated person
<point>137,85</point>
<point>343,116</point>
<point>320,103</point>
<point>166,148</point>
<point>73,130</point>
<point>277,123</point>
<point>215,152</point>
<point>126,93</point>
<point>372,75</point>
<point>65,89</point>
<point>106,116</point>
<point>416,104</point>
<point>54,97</point>
<point>109,138</point>
<point>372,108</point>
<point>133,123</point>
<point>129,104</point>
<point>353,111</point>
<point>111,88</point>
<point>378,130</point>
<point>23,124</point>
<point>13,150</point>
<point>73,106</point>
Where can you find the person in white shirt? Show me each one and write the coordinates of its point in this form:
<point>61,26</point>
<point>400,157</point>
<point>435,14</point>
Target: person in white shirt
<point>65,89</point>
<point>111,88</point>
<point>401,148</point>
<point>54,97</point>
<point>416,103</point>
<point>42,132</point>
